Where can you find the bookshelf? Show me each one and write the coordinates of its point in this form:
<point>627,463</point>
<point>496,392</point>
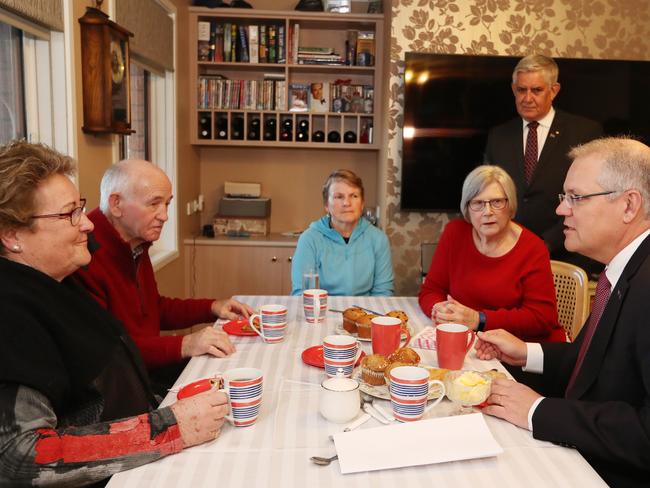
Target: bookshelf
<point>277,101</point>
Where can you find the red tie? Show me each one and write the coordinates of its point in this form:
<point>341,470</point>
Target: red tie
<point>530,154</point>
<point>600,300</point>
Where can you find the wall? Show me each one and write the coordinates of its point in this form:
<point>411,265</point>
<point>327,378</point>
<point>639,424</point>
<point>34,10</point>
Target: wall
<point>611,29</point>
<point>293,178</point>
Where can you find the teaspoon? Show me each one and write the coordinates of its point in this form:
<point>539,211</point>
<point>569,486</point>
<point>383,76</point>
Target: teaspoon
<point>323,461</point>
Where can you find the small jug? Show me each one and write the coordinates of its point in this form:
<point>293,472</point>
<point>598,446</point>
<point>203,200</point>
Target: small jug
<point>340,401</point>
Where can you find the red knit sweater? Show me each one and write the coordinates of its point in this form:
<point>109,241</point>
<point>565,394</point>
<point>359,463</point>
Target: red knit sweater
<point>127,288</point>
<point>515,291</point>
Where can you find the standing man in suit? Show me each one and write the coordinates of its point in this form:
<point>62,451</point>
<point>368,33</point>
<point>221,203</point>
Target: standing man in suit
<point>594,393</point>
<point>533,149</point>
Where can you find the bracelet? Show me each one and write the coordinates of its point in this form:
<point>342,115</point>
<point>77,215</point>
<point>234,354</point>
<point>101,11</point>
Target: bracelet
<point>482,319</point>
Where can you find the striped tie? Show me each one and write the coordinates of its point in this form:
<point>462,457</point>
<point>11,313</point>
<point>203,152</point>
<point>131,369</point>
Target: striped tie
<point>530,155</point>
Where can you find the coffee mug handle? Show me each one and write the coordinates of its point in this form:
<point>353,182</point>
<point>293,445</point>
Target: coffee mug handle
<point>251,319</point>
<point>408,337</point>
<point>229,416</point>
<point>358,354</point>
<point>442,394</point>
<point>472,335</point>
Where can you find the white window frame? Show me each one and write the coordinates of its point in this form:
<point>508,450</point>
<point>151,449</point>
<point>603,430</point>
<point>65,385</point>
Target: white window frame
<point>44,74</point>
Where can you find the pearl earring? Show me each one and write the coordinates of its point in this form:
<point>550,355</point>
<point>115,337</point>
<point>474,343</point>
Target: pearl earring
<point>16,248</point>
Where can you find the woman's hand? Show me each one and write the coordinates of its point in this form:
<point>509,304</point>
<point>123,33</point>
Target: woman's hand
<point>452,311</point>
<point>201,417</point>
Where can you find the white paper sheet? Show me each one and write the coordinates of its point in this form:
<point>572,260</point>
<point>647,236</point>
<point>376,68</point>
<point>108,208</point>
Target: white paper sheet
<point>430,441</point>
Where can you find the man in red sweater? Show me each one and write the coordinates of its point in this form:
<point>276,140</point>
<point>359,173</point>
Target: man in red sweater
<point>134,198</point>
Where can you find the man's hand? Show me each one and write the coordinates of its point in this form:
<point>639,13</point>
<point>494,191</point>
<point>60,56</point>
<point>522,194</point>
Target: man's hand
<point>452,311</point>
<point>511,401</point>
<point>207,341</point>
<point>501,345</point>
<point>200,417</point>
<point>230,309</point>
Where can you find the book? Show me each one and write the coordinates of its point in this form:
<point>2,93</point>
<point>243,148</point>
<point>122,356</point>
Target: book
<point>233,44</point>
<point>282,53</point>
<point>264,56</point>
<point>243,44</point>
<point>319,100</point>
<point>295,43</point>
<point>315,50</point>
<point>203,45</point>
<point>227,42</point>
<point>299,97</point>
<point>365,55</point>
<point>218,51</point>
<point>253,43</point>
<point>271,45</point>
<point>351,48</point>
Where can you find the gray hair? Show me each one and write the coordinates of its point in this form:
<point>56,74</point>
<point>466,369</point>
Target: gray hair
<point>626,165</point>
<point>482,176</point>
<point>115,180</point>
<point>537,63</point>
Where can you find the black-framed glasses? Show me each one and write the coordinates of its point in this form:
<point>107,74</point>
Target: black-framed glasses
<point>495,204</point>
<point>572,199</point>
<point>74,215</point>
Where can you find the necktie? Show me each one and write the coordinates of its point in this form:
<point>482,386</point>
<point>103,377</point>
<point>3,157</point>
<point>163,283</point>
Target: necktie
<point>600,300</point>
<point>530,154</point>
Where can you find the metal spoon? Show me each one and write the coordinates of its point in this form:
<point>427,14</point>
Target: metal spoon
<point>323,461</point>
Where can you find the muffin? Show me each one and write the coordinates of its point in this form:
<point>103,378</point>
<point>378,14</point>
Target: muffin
<point>405,355</point>
<point>372,369</point>
<point>399,314</point>
<point>350,317</point>
<point>437,373</point>
<point>363,326</point>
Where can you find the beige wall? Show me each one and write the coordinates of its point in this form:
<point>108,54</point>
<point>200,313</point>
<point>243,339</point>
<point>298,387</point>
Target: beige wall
<point>293,178</point>
<point>560,28</point>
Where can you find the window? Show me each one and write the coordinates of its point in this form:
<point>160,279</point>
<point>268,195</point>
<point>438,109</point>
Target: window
<point>32,68</point>
<point>153,118</point>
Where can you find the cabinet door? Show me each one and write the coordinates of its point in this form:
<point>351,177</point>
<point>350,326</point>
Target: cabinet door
<point>223,271</point>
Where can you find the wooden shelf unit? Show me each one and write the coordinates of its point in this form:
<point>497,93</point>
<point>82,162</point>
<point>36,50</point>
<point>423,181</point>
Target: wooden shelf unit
<point>317,29</point>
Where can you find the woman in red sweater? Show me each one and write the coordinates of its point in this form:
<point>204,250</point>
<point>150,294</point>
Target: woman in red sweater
<point>489,272</point>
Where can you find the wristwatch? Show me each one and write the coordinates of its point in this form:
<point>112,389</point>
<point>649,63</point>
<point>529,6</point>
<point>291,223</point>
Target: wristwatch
<point>481,322</point>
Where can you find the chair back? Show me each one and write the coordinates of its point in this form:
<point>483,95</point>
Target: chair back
<point>426,255</point>
<point>572,295</point>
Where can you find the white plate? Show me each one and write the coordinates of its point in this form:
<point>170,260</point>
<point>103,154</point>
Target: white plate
<point>341,330</point>
<point>382,392</point>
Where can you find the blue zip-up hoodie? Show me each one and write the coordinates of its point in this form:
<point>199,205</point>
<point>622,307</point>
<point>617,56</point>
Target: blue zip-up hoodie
<point>361,267</point>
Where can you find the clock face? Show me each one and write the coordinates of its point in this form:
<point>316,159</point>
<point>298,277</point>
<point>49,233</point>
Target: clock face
<point>117,63</point>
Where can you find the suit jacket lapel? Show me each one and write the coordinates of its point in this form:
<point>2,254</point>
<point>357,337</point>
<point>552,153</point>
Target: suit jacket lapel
<point>607,324</point>
<point>517,154</point>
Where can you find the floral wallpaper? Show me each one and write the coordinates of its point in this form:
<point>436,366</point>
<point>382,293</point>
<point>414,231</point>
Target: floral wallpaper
<point>609,29</point>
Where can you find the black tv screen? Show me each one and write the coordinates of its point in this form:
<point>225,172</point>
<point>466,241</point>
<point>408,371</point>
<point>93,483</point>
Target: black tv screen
<point>451,101</point>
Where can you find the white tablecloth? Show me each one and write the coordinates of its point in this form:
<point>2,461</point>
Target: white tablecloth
<point>275,451</point>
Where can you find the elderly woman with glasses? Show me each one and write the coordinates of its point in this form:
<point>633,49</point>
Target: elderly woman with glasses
<point>75,397</point>
<point>489,272</point>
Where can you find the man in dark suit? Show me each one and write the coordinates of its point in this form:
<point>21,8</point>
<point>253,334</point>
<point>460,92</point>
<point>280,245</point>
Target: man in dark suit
<point>594,393</point>
<point>536,158</point>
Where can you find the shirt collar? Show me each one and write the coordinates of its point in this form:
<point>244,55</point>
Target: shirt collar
<point>545,121</point>
<point>615,268</point>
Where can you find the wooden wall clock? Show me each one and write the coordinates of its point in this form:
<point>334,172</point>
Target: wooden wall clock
<point>105,74</point>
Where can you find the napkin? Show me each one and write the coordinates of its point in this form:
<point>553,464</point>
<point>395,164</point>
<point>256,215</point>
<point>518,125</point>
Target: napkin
<point>429,441</point>
<point>425,339</point>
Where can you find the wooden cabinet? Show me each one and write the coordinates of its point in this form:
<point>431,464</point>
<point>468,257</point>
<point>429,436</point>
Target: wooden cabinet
<point>229,107</point>
<point>223,267</point>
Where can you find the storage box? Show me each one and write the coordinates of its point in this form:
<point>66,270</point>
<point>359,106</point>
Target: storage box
<point>244,207</point>
<point>240,226</point>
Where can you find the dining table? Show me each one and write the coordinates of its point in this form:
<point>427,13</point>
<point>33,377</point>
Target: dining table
<point>276,450</point>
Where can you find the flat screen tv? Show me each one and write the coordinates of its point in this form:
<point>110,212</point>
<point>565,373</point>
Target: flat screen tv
<point>451,101</point>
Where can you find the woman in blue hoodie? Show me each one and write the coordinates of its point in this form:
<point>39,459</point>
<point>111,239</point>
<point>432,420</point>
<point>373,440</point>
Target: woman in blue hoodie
<point>351,256</point>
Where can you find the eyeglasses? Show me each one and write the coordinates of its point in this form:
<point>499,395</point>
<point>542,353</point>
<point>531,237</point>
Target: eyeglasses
<point>495,204</point>
<point>74,215</point>
<point>571,200</point>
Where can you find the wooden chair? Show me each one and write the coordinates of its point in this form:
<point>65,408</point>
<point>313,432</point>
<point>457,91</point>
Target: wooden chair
<point>426,254</point>
<point>572,294</point>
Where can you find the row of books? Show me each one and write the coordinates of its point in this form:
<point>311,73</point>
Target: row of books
<point>230,42</point>
<point>222,94</point>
